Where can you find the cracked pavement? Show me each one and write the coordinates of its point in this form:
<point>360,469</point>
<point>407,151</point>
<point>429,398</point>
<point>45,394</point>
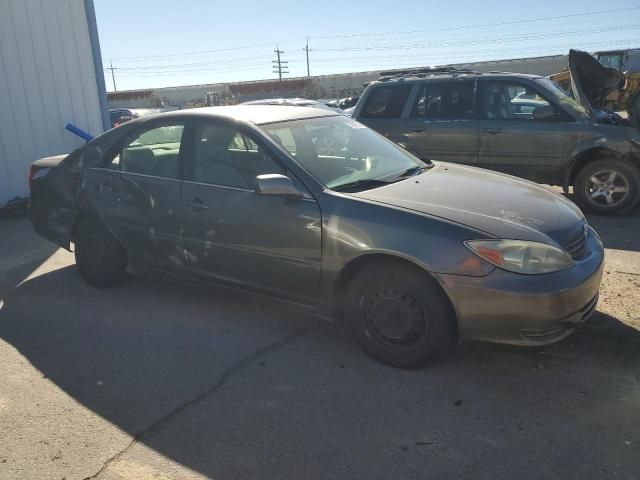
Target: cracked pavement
<point>158,379</point>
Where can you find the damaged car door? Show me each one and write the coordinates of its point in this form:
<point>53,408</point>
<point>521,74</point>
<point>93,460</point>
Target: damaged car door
<point>137,192</point>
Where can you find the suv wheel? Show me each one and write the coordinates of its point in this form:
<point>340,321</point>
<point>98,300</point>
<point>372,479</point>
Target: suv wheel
<point>398,315</point>
<point>607,187</point>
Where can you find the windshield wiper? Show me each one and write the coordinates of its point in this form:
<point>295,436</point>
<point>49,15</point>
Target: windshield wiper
<point>410,172</point>
<point>362,184</point>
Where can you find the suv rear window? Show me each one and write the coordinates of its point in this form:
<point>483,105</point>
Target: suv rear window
<point>451,101</point>
<point>386,102</point>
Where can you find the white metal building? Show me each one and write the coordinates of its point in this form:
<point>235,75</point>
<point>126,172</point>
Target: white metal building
<point>50,74</point>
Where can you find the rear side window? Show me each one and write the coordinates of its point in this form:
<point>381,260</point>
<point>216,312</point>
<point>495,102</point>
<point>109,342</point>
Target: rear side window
<point>153,152</point>
<point>449,101</point>
<point>386,102</point>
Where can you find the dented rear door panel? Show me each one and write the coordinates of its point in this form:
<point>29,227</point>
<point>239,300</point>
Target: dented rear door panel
<point>142,212</point>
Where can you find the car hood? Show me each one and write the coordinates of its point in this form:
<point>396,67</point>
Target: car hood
<point>499,205</point>
<point>591,82</point>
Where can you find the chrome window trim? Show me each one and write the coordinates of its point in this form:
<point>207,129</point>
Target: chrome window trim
<point>136,174</point>
<point>305,197</point>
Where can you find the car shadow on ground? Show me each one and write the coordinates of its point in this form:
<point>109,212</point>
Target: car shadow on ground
<point>230,387</point>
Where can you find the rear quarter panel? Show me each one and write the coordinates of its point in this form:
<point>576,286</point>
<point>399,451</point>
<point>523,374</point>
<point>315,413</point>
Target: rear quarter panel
<point>58,192</point>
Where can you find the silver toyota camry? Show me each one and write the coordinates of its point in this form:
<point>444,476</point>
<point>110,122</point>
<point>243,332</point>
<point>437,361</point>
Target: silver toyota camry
<point>315,209</point>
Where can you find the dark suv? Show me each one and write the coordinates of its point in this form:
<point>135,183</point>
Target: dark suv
<point>524,125</point>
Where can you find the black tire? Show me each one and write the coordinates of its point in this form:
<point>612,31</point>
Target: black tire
<point>597,191</point>
<point>398,314</point>
<point>100,258</point>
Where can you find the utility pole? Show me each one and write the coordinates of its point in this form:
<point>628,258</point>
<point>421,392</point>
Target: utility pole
<point>280,66</point>
<point>113,76</point>
<point>306,49</point>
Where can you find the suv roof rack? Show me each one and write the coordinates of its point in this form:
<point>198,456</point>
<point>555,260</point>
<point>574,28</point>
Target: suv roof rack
<point>424,72</point>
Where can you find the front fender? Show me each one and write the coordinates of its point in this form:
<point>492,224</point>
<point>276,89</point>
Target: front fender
<point>608,142</point>
<point>354,229</point>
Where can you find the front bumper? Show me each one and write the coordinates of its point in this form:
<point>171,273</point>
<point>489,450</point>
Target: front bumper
<point>528,310</point>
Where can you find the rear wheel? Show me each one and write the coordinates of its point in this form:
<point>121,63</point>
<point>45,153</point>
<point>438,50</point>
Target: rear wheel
<point>100,258</point>
<point>398,314</point>
<point>607,187</point>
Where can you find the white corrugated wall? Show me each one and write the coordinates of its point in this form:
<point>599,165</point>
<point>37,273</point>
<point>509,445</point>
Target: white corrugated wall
<point>47,78</point>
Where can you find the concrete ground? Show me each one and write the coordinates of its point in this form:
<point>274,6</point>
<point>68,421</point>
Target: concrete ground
<point>162,380</point>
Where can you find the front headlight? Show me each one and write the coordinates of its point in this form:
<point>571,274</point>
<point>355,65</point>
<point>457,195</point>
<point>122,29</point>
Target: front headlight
<point>519,256</point>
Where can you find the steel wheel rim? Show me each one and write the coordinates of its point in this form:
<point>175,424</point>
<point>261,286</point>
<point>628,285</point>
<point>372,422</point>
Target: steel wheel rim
<point>394,318</point>
<point>607,188</point>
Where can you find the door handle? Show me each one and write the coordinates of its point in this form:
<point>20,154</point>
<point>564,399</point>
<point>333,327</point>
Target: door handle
<point>196,205</point>
<point>492,131</point>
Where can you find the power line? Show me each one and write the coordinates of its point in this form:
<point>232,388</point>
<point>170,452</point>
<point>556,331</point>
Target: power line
<point>533,36</point>
<point>354,35</point>
<point>197,64</point>
<point>456,54</point>
<point>257,59</point>
<point>201,52</point>
<point>482,25</point>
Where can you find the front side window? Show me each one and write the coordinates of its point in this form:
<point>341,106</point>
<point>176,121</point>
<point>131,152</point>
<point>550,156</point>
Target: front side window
<point>153,152</point>
<point>611,60</point>
<point>223,156</point>
<point>447,101</point>
<point>561,97</point>
<point>505,100</point>
<point>386,102</point>
<point>339,151</point>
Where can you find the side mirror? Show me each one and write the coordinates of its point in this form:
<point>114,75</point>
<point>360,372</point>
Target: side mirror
<point>545,112</point>
<point>276,184</point>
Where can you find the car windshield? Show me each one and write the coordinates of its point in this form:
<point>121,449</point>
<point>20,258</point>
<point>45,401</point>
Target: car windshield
<point>563,98</point>
<point>342,153</point>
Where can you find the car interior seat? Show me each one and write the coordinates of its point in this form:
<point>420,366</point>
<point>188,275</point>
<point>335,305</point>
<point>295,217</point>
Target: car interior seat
<point>138,160</point>
<point>214,163</point>
<point>497,103</point>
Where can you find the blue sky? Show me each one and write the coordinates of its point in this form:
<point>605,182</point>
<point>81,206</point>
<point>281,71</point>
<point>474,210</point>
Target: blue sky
<point>163,43</point>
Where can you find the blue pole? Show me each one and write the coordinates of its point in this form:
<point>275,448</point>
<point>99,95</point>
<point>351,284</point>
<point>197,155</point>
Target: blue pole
<point>79,132</point>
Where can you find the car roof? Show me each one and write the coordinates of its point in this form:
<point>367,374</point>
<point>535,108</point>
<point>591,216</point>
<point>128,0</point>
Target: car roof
<point>257,114</point>
<point>419,77</point>
<point>296,102</point>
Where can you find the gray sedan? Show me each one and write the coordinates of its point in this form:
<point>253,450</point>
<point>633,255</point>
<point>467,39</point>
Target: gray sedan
<point>413,255</point>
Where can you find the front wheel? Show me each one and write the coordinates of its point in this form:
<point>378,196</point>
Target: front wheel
<point>398,314</point>
<point>607,187</point>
